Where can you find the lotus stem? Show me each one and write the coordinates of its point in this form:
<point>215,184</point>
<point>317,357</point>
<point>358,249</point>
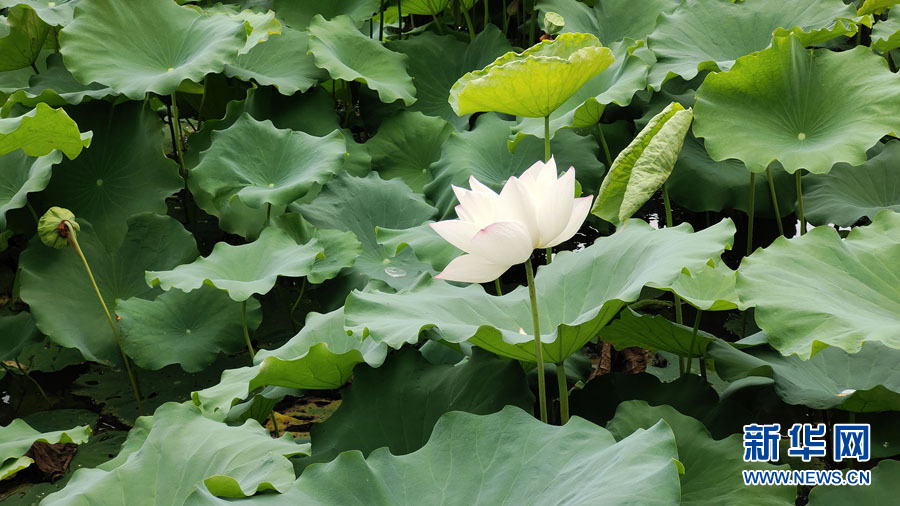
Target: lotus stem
<point>275,424</point>
<point>669,224</point>
<point>800,203</point>
<point>300,296</point>
<point>563,384</point>
<point>609,160</point>
<point>497,289</point>
<point>774,201</point>
<point>32,380</point>
<point>31,210</point>
<point>506,18</point>
<point>246,332</point>
<point>751,206</point>
<point>465,13</point>
<point>34,68</point>
<point>437,23</point>
<point>538,349</point>
<point>176,142</point>
<point>533,28</point>
<point>487,13</point>
<point>549,255</point>
<point>73,241</point>
<point>400,18</point>
<point>690,360</point>
<point>547,138</point>
<point>381,22</point>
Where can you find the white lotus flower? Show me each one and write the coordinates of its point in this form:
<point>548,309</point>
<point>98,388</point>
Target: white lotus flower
<point>536,210</point>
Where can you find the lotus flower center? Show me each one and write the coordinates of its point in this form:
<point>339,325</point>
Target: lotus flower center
<point>170,69</point>
<point>801,136</point>
<point>99,182</point>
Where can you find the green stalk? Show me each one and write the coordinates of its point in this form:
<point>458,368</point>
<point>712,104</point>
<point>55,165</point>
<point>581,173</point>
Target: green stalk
<point>506,19</point>
<point>176,125</point>
<point>609,160</point>
<point>533,22</point>
<point>31,210</point>
<point>800,203</point>
<point>751,207</point>
<point>297,302</point>
<point>28,376</point>
<point>400,19</point>
<point>487,13</point>
<point>73,241</point>
<point>465,13</point>
<point>497,289</point>
<point>381,23</point>
<point>538,350</point>
<point>774,200</point>
<point>669,224</point>
<point>563,385</point>
<point>690,360</point>
<point>547,138</point>
<point>246,332</point>
<point>275,424</point>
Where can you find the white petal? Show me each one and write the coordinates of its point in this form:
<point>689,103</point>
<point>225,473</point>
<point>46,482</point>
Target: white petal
<point>516,204</point>
<point>472,269</point>
<point>555,210</point>
<point>456,232</point>
<point>580,210</point>
<point>480,207</point>
<point>503,242</point>
<point>476,185</point>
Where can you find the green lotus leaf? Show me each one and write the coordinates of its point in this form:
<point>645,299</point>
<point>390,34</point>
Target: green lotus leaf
<point>433,82</point>
<point>259,25</point>
<point>383,407</point>
<point>586,466</point>
<point>424,241</point>
<point>655,333</point>
<point>406,145</point>
<point>875,6</point>
<point>185,329</point>
<point>58,13</point>
<point>167,455</point>
<point>281,61</point>
<point>359,205</point>
<point>712,34</point>
<point>785,120</point>
<point>712,468</point>
<point>123,173</point>
<point>19,332</point>
<point>610,20</point>
<point>643,166</point>
<point>17,437</point>
<point>882,490</point>
<point>243,270</point>
<point>22,38</point>
<point>40,131</point>
<point>340,247</point>
<point>347,54</point>
<point>55,86</point>
<point>299,15</point>
<point>865,381</point>
<point>886,34</point>
<point>14,80</point>
<point>606,275</point>
<point>535,82</point>
<point>20,175</point>
<point>67,310</point>
<point>483,152</point>
<point>259,164</point>
<point>848,193</point>
<point>709,288</point>
<point>617,84</point>
<point>431,7</point>
<point>854,300</point>
<point>701,184</point>
<point>167,45</point>
<point>321,356</point>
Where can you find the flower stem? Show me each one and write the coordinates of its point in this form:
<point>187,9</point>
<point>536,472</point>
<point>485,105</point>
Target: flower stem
<point>549,255</point>
<point>300,296</point>
<point>538,349</point>
<point>469,23</point>
<point>275,424</point>
<point>73,241</point>
<point>669,224</point>
<point>563,385</point>
<point>533,22</point>
<point>246,332</point>
<point>800,203</point>
<point>176,142</point>
<point>609,160</point>
<point>696,329</point>
<point>751,207</point>
<point>774,200</point>
<point>31,210</point>
<point>487,13</point>
<point>381,22</point>
<point>547,138</point>
<point>506,19</point>
<point>497,289</point>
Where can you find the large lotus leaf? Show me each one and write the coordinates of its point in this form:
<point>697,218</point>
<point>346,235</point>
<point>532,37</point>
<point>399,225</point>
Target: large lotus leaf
<point>605,276</point>
<point>259,25</point>
<point>55,86</point>
<point>22,38</point>
<point>534,82</point>
<point>863,381</point>
<point>617,84</point>
<point>883,490</point>
<point>340,247</point>
<point>796,106</point>
<point>398,404</point>
<point>610,20</point>
<point>20,175</point>
<point>712,34</point>
<point>424,241</point>
<point>281,61</point>
<point>712,469</point>
<point>433,82</point>
<point>164,46</point>
<point>347,54</point>
<point>848,193</point>
<point>300,14</point>
<point>123,173</point>
<point>259,164</point>
<point>167,456</point>
<point>40,131</point>
<point>432,7</point>
<point>243,270</point>
<point>507,456</point>
<point>655,333</point>
<point>18,331</point>
<point>483,152</point>
<point>359,205</point>
<point>406,145</point>
<point>709,288</point>
<point>321,356</point>
<point>66,309</point>
<point>185,329</point>
<point>818,290</point>
<point>875,6</point>
<point>701,184</point>
<point>58,13</point>
<point>17,437</point>
<point>643,166</point>
<point>886,34</point>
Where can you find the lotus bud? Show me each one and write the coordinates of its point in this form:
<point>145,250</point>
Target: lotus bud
<point>52,227</point>
<point>553,23</point>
